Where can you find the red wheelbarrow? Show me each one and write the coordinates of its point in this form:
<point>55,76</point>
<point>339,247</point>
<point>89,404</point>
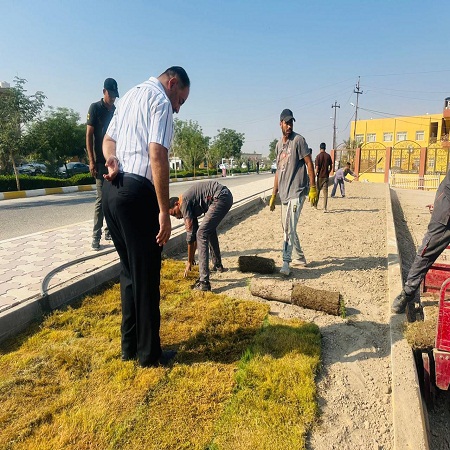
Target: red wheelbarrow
<point>436,365</point>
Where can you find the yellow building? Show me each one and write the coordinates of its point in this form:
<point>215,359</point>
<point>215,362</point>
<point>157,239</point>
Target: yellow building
<point>425,130</point>
<point>407,144</point>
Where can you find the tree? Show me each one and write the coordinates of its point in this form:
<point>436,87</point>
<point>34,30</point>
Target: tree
<point>228,144</point>
<point>189,144</point>
<point>272,152</point>
<point>17,111</point>
<point>346,152</point>
<point>57,137</point>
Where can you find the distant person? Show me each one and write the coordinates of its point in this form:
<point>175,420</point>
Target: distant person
<point>99,115</point>
<point>214,201</point>
<point>435,241</point>
<point>323,164</point>
<point>339,178</point>
<point>136,205</point>
<point>294,180</point>
<point>257,167</point>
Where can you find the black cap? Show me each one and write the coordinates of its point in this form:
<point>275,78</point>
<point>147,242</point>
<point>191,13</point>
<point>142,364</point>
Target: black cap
<point>323,146</point>
<point>286,115</point>
<point>110,85</point>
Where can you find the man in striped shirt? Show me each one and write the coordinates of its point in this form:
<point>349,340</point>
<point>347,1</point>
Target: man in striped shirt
<point>136,204</point>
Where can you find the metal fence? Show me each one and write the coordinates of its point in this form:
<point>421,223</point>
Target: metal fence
<point>427,183</point>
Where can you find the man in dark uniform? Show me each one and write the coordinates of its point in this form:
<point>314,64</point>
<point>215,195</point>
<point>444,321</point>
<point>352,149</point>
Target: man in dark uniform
<point>213,200</point>
<point>98,118</point>
<point>435,241</point>
<point>323,164</point>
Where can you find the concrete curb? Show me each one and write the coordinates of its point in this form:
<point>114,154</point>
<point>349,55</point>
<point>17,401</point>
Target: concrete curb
<point>82,188</point>
<point>18,318</point>
<point>409,414</point>
<point>46,191</point>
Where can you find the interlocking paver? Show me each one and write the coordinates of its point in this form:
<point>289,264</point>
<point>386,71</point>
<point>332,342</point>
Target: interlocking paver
<point>9,286</point>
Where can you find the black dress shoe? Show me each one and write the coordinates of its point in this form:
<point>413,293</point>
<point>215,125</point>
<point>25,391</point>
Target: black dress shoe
<point>167,357</point>
<point>164,360</point>
<point>128,357</point>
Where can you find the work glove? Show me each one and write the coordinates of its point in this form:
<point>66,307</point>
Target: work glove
<point>272,202</point>
<point>313,198</point>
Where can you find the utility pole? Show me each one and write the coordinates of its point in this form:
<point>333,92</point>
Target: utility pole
<point>334,124</point>
<point>357,92</point>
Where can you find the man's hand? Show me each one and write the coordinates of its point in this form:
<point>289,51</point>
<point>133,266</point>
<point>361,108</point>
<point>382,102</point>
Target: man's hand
<point>272,202</point>
<point>165,228</point>
<point>112,164</point>
<point>187,269</point>
<point>92,168</point>
<point>313,197</point>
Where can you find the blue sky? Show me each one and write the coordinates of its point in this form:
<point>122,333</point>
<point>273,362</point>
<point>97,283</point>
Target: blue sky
<point>247,60</point>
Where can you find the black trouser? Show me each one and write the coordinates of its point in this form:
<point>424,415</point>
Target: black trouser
<point>435,241</point>
<point>131,212</point>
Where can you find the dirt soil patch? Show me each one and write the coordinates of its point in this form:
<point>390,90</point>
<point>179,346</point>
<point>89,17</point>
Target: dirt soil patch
<point>346,252</point>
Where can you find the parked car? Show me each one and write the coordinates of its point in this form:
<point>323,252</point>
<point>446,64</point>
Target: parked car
<point>32,169</point>
<point>72,168</point>
<point>273,167</point>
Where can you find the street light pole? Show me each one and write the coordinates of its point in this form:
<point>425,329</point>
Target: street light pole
<point>334,124</point>
<point>357,92</point>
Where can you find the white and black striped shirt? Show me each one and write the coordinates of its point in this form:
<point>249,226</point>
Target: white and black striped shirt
<point>143,115</point>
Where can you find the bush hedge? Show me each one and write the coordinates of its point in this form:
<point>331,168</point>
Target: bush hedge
<point>27,182</point>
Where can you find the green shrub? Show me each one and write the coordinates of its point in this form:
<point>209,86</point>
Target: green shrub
<point>190,173</point>
<point>27,182</point>
<point>80,179</point>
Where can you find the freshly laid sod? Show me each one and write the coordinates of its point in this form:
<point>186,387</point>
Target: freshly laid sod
<point>242,379</point>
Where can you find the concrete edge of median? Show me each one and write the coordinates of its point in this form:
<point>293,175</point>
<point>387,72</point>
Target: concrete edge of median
<point>18,318</point>
<point>409,413</point>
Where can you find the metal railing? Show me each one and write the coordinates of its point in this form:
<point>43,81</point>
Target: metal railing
<point>402,181</point>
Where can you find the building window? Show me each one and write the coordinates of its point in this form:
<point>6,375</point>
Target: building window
<point>420,135</point>
<point>402,136</point>
<point>371,137</point>
<point>387,137</point>
<point>359,138</point>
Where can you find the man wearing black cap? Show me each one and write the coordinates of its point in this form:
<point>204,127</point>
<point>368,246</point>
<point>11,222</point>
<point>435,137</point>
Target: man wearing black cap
<point>323,165</point>
<point>294,180</point>
<point>98,118</point>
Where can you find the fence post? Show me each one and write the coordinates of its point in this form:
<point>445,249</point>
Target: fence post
<point>357,160</point>
<point>387,164</point>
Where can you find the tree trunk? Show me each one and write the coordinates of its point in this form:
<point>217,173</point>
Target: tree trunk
<point>256,264</point>
<point>15,170</point>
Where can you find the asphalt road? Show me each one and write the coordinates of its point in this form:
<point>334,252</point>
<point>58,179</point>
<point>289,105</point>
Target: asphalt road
<point>25,216</point>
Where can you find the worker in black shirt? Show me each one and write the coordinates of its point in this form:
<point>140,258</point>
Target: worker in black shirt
<point>98,118</point>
